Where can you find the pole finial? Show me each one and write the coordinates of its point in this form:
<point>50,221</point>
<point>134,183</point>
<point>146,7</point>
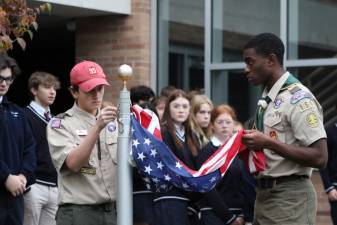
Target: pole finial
<point>125,73</point>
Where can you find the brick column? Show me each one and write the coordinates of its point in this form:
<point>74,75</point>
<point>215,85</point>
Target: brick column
<point>116,39</point>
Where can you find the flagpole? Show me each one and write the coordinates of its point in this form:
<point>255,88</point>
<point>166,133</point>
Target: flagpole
<point>124,188</point>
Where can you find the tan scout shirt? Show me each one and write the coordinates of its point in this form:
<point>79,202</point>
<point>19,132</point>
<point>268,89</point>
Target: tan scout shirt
<point>96,182</point>
<point>293,117</point>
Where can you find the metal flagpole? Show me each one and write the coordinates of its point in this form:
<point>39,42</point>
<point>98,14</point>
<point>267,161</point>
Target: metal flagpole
<point>124,189</point>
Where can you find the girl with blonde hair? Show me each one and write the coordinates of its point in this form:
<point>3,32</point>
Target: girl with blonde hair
<point>201,107</point>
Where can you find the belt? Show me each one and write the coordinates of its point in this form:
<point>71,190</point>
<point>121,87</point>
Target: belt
<point>106,207</point>
<point>264,183</point>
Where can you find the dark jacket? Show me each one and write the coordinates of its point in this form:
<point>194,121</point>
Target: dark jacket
<point>45,171</point>
<point>226,200</point>
<point>329,173</point>
<point>17,145</point>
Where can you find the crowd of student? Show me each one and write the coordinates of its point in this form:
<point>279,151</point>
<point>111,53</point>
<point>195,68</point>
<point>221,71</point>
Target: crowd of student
<point>193,129</point>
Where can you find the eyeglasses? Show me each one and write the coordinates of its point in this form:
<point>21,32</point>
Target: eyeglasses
<point>8,80</point>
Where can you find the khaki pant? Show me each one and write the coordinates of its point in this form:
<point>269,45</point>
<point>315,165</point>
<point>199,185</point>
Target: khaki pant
<point>70,214</point>
<point>288,203</point>
<point>40,205</point>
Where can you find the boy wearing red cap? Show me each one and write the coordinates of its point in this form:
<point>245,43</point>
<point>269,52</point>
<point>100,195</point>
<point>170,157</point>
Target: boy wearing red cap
<point>83,145</point>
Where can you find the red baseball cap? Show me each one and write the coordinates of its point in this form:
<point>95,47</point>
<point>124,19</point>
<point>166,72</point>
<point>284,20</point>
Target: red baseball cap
<point>87,75</point>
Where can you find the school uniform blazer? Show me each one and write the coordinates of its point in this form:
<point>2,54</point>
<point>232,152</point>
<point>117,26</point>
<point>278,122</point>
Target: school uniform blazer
<point>17,145</point>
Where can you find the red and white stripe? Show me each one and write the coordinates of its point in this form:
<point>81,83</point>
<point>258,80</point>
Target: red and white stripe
<point>148,120</point>
<point>221,159</point>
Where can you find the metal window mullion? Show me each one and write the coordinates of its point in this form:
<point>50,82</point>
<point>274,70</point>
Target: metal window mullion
<point>284,26</point>
<point>154,72</point>
<point>311,62</point>
<point>208,46</point>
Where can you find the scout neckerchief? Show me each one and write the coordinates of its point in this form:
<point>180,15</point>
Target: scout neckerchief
<point>264,102</point>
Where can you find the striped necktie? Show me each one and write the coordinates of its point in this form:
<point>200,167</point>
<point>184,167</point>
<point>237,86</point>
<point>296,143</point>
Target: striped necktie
<point>47,116</point>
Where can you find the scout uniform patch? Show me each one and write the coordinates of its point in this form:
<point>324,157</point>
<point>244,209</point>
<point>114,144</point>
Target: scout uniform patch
<point>88,170</point>
<point>81,132</point>
<point>111,127</point>
<point>277,103</point>
<point>273,134</point>
<point>311,120</point>
<point>55,123</point>
<point>306,105</point>
<point>299,95</point>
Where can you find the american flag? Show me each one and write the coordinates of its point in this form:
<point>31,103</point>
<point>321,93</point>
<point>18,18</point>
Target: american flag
<point>161,169</point>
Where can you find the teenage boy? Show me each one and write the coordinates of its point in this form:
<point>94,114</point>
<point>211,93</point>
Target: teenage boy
<point>41,199</point>
<point>83,145</point>
<point>17,154</point>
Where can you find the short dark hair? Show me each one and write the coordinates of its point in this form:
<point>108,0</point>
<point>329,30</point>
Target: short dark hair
<point>8,62</point>
<point>266,44</point>
<point>141,92</point>
<point>150,106</point>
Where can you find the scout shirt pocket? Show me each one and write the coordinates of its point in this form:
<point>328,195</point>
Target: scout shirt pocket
<point>111,136</point>
<point>91,166</point>
<point>274,127</point>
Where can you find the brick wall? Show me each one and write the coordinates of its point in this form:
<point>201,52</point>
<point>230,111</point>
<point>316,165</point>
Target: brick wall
<point>114,40</point>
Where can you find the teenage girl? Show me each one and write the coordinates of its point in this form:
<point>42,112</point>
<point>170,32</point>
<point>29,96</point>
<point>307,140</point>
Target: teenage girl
<point>171,207</point>
<point>224,204</point>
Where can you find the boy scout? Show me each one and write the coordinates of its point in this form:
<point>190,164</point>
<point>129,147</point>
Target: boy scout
<point>83,143</point>
<point>291,134</point>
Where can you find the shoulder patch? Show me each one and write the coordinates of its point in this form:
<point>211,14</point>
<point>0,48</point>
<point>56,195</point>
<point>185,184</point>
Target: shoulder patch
<point>111,127</point>
<point>299,95</point>
<point>55,123</point>
<point>312,120</point>
<point>293,88</point>
<point>305,105</point>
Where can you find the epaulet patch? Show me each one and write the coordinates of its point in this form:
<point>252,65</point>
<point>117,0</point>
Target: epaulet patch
<point>299,95</point>
<point>294,88</point>
<point>60,116</point>
<point>55,123</point>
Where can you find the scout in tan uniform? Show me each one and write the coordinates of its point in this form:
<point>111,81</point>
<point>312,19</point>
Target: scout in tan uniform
<point>291,134</point>
<point>83,143</point>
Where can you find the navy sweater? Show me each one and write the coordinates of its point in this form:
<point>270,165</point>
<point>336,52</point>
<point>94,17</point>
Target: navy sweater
<point>45,171</point>
<point>17,145</point>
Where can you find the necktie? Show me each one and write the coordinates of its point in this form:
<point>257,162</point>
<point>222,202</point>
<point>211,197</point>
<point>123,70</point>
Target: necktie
<point>261,108</point>
<point>47,116</point>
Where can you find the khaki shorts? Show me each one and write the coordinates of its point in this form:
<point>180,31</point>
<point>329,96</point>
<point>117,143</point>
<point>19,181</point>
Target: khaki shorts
<point>289,203</point>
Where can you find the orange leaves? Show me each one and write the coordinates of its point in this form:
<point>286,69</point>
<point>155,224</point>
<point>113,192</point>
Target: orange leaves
<point>16,20</point>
